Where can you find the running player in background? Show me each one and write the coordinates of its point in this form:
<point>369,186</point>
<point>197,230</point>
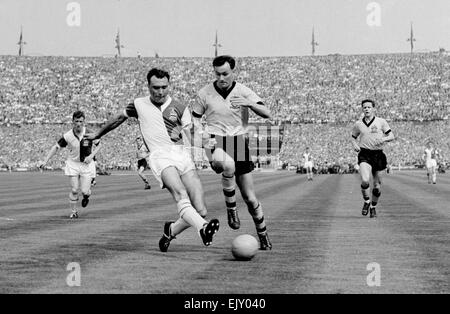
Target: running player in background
<point>430,156</point>
<point>80,166</point>
<point>368,138</point>
<point>142,154</point>
<point>163,122</point>
<point>225,104</point>
<point>308,159</point>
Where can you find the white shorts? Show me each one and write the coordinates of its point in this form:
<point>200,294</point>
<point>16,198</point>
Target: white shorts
<point>76,168</point>
<point>308,164</point>
<point>177,157</point>
<point>431,163</point>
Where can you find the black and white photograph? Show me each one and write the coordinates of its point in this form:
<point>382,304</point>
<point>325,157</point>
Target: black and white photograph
<point>224,155</point>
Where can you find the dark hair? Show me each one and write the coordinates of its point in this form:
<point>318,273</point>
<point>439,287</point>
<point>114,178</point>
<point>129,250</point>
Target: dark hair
<point>368,100</point>
<point>221,60</point>
<point>78,114</point>
<point>158,73</point>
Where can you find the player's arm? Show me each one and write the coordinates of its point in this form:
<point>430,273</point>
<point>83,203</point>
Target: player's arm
<point>355,134</point>
<point>254,102</point>
<point>129,112</point>
<point>388,136</point>
<point>55,148</point>
<point>201,137</point>
<point>109,126</point>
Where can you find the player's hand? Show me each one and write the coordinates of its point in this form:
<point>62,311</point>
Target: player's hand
<point>238,102</point>
<point>356,147</point>
<point>88,159</point>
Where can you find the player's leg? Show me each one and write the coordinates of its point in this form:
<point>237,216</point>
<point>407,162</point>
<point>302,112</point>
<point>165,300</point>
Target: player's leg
<point>365,170</point>
<point>376,193</point>
<point>172,181</point>
<point>224,163</point>
<point>73,195</point>
<point>428,174</point>
<point>142,164</point>
<point>194,189</point>
<point>85,184</point>
<point>245,184</point>
<point>433,172</point>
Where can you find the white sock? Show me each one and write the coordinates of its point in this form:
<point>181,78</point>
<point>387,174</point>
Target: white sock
<point>190,215</point>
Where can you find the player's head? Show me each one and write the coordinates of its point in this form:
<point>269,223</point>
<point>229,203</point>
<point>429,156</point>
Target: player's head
<point>368,107</point>
<point>224,70</point>
<point>158,85</point>
<point>78,118</point>
<point>307,149</point>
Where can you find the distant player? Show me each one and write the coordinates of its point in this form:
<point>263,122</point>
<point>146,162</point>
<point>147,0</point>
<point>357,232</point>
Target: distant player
<point>80,166</point>
<point>163,122</point>
<point>142,155</point>
<point>368,138</point>
<point>430,156</point>
<point>308,163</point>
<point>225,104</point>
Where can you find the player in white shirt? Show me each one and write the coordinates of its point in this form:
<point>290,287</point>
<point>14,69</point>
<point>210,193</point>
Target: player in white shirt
<point>308,163</point>
<point>142,155</point>
<point>80,165</point>
<point>430,155</point>
<point>368,138</point>
<point>163,121</point>
<point>225,104</point>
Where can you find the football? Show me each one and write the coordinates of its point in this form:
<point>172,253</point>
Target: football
<point>244,247</point>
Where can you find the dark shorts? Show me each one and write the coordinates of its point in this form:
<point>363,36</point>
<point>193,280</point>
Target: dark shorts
<point>237,148</point>
<point>375,158</point>
<point>142,163</point>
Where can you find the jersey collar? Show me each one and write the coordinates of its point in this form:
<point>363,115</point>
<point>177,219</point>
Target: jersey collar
<point>370,122</point>
<point>222,93</point>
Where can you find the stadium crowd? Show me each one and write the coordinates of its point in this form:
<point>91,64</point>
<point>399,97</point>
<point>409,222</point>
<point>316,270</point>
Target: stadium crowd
<point>316,99</point>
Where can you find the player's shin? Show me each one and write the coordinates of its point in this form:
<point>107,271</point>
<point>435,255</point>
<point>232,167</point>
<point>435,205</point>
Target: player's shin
<point>365,191</point>
<point>255,210</point>
<point>229,190</point>
<point>376,193</point>
<point>73,199</point>
<point>178,227</point>
<point>189,214</point>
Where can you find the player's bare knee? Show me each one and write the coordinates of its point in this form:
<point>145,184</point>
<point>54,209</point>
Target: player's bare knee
<point>251,201</point>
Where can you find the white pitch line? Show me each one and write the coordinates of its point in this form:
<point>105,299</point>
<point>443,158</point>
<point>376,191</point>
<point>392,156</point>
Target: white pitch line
<point>7,219</point>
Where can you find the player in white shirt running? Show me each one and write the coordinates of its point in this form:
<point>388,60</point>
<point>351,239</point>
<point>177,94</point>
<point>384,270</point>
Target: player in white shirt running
<point>308,163</point>
<point>225,104</point>
<point>80,165</point>
<point>368,138</point>
<point>430,155</point>
<point>163,121</point>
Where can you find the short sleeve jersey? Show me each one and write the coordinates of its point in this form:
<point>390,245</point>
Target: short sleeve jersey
<point>72,143</point>
<point>368,132</point>
<point>220,117</point>
<point>161,127</point>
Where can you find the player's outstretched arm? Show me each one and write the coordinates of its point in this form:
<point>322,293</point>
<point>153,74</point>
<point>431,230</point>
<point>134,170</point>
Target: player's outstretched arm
<point>108,127</point>
<point>50,154</point>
